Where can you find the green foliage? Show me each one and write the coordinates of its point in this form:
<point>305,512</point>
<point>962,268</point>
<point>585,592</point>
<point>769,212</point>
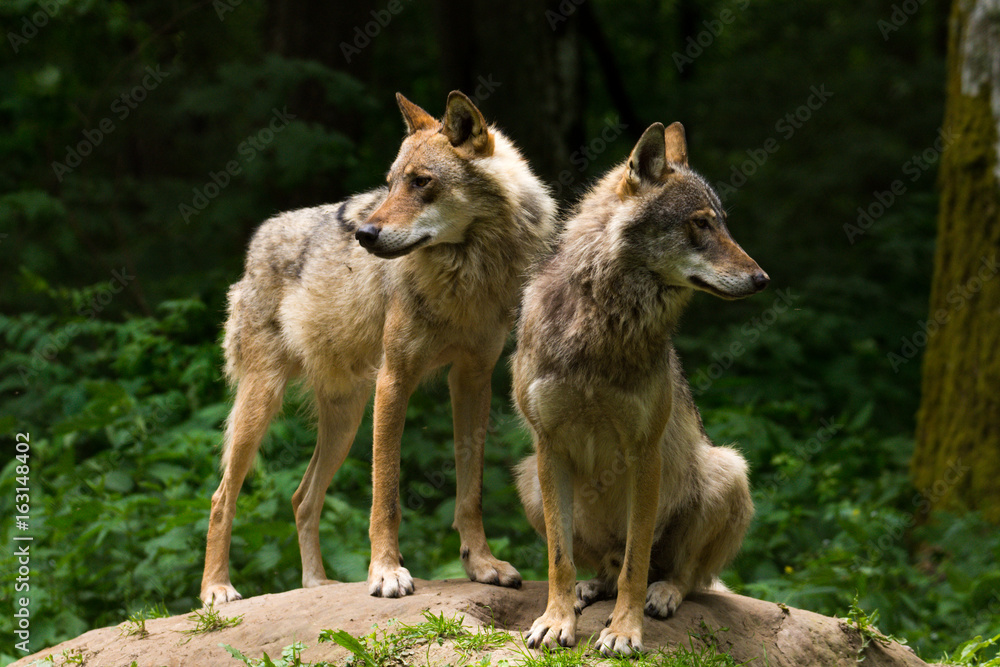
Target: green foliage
<point>360,652</point>
<point>398,642</point>
<point>105,154</point>
<point>702,650</point>
<point>210,620</point>
<point>969,653</point>
<point>395,646</point>
<point>136,623</point>
<point>557,657</point>
<point>291,656</point>
<point>72,656</point>
<point>864,623</point>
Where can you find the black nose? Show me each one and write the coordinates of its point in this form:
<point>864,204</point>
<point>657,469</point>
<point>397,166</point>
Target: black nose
<point>760,280</point>
<point>367,236</point>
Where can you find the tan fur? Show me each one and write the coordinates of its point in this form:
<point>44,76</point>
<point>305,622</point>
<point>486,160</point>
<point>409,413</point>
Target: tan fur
<point>466,218</point>
<point>625,480</point>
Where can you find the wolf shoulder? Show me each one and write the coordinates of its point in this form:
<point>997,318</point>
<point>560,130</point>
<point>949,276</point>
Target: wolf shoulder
<point>285,244</point>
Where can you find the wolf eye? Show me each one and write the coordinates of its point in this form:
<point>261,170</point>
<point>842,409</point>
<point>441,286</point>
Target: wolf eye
<point>702,223</point>
<point>421,181</point>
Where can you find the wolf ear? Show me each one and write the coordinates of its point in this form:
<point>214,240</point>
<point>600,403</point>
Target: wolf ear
<point>647,163</point>
<point>415,117</point>
<point>465,126</point>
<point>676,144</point>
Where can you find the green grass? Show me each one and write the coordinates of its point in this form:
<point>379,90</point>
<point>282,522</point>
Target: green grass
<point>135,626</point>
<point>399,644</point>
<point>68,657</point>
<point>209,620</point>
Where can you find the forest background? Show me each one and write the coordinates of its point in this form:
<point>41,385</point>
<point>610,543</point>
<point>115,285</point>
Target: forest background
<point>144,142</point>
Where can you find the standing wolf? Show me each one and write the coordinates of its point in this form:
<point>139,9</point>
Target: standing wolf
<point>464,217</point>
<point>625,480</point>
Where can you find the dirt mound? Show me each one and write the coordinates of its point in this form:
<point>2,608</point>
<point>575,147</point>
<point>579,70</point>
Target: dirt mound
<point>788,636</point>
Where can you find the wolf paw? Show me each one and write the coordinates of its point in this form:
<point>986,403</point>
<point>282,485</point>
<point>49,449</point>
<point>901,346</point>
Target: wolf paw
<point>490,570</point>
<point>553,630</point>
<point>590,591</point>
<point>218,594</point>
<point>620,640</point>
<point>313,583</point>
<point>389,581</point>
<point>662,599</point>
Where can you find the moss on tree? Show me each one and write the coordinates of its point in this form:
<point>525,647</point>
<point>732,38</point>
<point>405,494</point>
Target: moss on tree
<point>957,459</point>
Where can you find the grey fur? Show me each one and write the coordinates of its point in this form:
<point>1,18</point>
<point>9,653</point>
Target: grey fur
<point>601,387</point>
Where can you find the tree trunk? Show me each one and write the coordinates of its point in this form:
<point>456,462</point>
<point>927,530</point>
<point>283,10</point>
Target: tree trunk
<point>517,55</point>
<point>957,459</point>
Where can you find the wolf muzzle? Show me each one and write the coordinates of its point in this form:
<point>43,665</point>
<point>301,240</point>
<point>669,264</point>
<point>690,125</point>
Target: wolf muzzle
<point>760,280</point>
<point>367,236</point>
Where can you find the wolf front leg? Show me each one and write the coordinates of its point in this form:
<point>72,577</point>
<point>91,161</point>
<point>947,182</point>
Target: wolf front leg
<point>386,575</point>
<point>469,382</point>
<point>624,632</point>
<point>558,624</point>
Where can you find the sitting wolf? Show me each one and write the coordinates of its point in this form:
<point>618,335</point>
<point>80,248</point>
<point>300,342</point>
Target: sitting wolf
<point>625,480</point>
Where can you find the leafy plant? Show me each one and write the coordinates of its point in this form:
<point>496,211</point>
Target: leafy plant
<point>135,626</point>
<point>389,650</point>
<point>394,644</point>
<point>291,656</point>
<point>210,620</point>
<point>864,624</point>
<point>968,653</point>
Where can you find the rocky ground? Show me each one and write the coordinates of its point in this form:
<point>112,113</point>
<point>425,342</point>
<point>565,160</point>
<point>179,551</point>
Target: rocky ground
<point>762,632</point>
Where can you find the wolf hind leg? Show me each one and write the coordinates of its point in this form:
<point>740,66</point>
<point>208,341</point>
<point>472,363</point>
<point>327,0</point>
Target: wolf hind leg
<point>727,512</point>
<point>594,590</point>
<point>339,418</point>
<point>529,490</point>
<point>702,540</point>
<point>258,398</point>
<point>605,585</point>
